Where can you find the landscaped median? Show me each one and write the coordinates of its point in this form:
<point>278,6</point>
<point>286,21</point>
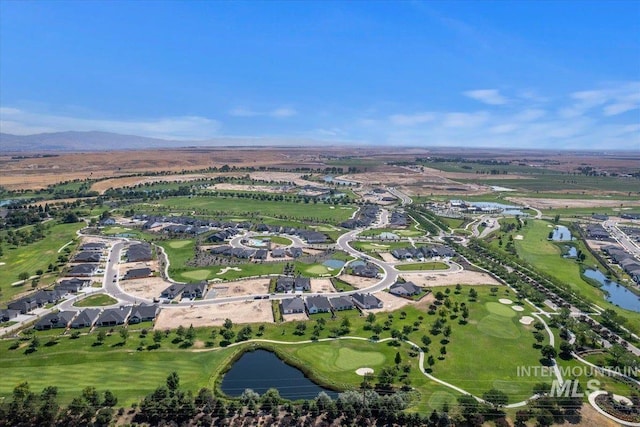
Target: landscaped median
<point>422,266</point>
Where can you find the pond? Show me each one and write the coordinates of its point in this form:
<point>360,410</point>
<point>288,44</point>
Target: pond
<point>618,294</point>
<point>561,234</point>
<point>261,370</point>
<point>504,209</point>
<point>333,263</point>
<point>571,252</point>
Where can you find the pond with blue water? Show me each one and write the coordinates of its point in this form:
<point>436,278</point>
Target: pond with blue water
<point>618,294</point>
<point>561,234</point>
<point>333,263</point>
<point>261,370</point>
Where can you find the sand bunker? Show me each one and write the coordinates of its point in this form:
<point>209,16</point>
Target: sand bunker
<point>518,308</point>
<point>505,301</point>
<point>224,270</point>
<point>364,371</point>
<point>526,320</point>
<point>519,237</point>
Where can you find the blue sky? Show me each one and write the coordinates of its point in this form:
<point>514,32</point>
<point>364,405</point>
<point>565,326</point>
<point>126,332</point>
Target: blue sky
<point>518,74</point>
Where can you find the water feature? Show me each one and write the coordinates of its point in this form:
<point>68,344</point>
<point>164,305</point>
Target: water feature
<point>571,252</point>
<point>561,234</point>
<point>333,263</point>
<point>618,294</point>
<point>261,370</point>
<point>386,235</point>
<point>504,209</point>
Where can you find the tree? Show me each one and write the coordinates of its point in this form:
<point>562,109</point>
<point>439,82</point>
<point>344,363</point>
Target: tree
<point>101,337</point>
<point>443,350</point>
<point>398,359</point>
<point>124,334</point>
<point>228,324</point>
<point>548,351</point>
<point>24,276</point>
<point>496,397</point>
<point>173,381</point>
<point>426,341</point>
<point>110,399</point>
<point>616,351</point>
<point>371,318</point>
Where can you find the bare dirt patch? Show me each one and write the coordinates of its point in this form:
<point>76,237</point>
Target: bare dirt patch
<point>322,285</point>
<point>357,281</point>
<point>390,302</point>
<point>571,203</point>
<point>295,316</point>
<point>242,287</point>
<point>443,279</point>
<point>149,288</point>
<point>214,315</point>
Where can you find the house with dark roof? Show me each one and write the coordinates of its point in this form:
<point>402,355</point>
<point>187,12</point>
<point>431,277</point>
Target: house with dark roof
<point>341,303</point>
<point>261,254</point>
<point>83,270</point>
<point>366,301</point>
<point>8,314</point>
<point>87,256</point>
<point>278,253</point>
<point>24,305</point>
<point>86,318</point>
<point>143,313</point>
<point>194,290</point>
<point>365,270</point>
<point>114,316</point>
<point>139,252</point>
<point>172,291</point>
<point>317,304</point>
<point>72,285</point>
<point>55,320</point>
<point>405,289</point>
<point>312,237</point>
<point>137,273</point>
<point>93,246</point>
<point>292,305</point>
<point>294,252</point>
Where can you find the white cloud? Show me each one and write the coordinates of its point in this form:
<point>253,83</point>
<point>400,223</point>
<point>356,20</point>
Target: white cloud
<point>487,96</point>
<point>465,120</point>
<point>22,122</point>
<point>610,101</point>
<point>412,119</point>
<point>529,115</point>
<point>279,113</point>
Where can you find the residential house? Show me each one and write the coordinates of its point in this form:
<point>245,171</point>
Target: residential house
<point>292,305</point>
<point>139,252</point>
<point>365,270</point>
<point>72,285</point>
<point>87,256</point>
<point>93,246</point>
<point>317,304</point>
<point>172,291</point>
<point>143,313</point>
<point>366,301</point>
<point>83,270</point>
<point>194,290</point>
<point>55,320</point>
<point>8,314</point>
<point>114,316</point>
<point>405,289</point>
<point>260,254</point>
<point>341,303</point>
<point>278,253</point>
<point>137,273</point>
<point>86,318</point>
<point>294,252</point>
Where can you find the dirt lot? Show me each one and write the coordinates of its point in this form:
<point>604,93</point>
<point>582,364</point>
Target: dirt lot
<point>295,317</point>
<point>214,315</point>
<point>357,281</point>
<point>149,288</point>
<point>321,285</point>
<point>241,287</point>
<point>126,266</point>
<point>571,203</point>
<point>464,277</point>
<point>391,302</point>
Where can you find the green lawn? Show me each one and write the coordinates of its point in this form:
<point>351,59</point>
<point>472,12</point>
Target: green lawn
<point>33,257</point>
<point>422,266</point>
<point>96,301</point>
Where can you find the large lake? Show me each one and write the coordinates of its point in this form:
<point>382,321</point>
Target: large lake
<point>618,294</point>
<point>261,370</point>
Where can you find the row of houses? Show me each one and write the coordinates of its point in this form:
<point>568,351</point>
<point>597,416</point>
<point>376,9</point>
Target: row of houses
<point>187,291</point>
<point>628,263</point>
<point>321,304</point>
<point>365,217</point>
<point>256,254</point>
<point>423,252</point>
<point>597,232</point>
<point>290,284</point>
<point>90,317</point>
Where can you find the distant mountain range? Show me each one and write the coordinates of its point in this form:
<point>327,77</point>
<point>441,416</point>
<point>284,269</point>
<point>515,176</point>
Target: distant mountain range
<point>102,141</point>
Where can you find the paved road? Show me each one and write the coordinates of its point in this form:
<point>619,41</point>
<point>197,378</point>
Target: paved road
<point>611,225</point>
